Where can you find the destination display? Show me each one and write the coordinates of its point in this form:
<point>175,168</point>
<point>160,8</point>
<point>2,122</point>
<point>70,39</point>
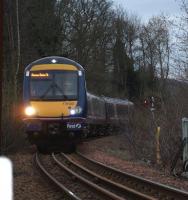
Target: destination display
<point>41,75</point>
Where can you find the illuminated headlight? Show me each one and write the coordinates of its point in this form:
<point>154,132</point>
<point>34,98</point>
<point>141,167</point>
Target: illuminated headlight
<point>30,111</point>
<point>76,110</point>
<point>72,111</point>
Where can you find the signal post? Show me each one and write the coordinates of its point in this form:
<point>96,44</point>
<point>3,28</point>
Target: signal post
<point>151,104</point>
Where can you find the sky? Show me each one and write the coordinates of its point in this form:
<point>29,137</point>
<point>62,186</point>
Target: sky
<point>145,9</point>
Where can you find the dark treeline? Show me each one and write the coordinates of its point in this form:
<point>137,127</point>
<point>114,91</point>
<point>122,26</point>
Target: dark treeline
<point>122,56</point>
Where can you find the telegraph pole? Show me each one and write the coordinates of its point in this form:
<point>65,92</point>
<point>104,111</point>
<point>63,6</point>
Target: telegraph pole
<point>1,70</point>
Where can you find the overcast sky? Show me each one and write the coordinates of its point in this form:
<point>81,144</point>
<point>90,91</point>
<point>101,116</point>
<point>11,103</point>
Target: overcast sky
<point>148,8</point>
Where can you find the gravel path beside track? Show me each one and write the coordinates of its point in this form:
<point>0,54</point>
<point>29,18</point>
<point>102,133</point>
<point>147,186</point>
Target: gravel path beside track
<point>28,183</point>
<point>114,152</point>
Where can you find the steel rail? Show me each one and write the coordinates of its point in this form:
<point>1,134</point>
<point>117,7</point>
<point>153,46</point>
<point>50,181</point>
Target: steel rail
<point>155,186</point>
<point>118,187</point>
<point>109,195</point>
<point>70,194</point>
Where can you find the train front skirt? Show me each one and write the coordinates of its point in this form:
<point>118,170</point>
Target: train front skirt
<point>60,128</point>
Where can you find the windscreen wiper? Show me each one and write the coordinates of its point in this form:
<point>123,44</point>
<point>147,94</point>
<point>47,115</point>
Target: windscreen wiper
<point>46,92</point>
<point>53,85</point>
<point>59,88</point>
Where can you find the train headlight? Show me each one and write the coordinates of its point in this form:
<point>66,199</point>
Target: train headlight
<point>72,111</point>
<point>76,110</point>
<point>30,111</point>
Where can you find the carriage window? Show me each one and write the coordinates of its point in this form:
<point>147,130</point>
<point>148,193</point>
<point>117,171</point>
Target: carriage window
<point>55,85</point>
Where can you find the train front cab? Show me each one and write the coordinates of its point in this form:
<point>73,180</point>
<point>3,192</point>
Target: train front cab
<point>54,101</point>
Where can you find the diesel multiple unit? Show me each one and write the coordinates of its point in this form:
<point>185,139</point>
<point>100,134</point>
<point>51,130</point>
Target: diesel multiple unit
<point>57,107</point>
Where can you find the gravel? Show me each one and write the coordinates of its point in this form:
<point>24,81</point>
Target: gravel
<point>28,183</point>
<point>112,150</point>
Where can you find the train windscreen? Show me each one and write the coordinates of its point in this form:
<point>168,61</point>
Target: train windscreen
<point>54,85</point>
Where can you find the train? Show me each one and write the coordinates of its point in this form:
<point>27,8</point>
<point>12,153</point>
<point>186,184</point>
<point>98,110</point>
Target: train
<point>59,111</point>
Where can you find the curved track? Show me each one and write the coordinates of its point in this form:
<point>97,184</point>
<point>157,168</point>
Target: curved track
<point>81,178</point>
<point>73,186</point>
<point>67,193</point>
<point>133,185</point>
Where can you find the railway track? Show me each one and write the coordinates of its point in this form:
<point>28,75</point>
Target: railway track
<point>68,195</point>
<point>93,180</point>
<point>137,185</point>
<point>72,185</point>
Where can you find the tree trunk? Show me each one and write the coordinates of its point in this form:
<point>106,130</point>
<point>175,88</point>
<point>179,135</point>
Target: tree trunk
<point>18,51</point>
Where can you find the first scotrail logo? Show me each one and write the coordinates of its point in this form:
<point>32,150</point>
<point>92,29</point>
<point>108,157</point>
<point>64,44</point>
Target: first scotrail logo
<point>74,126</point>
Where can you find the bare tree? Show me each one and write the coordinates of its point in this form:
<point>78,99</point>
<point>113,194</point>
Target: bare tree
<point>181,54</point>
<point>155,49</point>
<point>126,32</point>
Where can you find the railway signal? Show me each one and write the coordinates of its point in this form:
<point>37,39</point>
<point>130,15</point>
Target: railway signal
<point>152,102</point>
<point>146,103</point>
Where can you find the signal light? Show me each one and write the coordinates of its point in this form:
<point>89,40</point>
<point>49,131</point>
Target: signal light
<point>153,102</point>
<point>146,103</point>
